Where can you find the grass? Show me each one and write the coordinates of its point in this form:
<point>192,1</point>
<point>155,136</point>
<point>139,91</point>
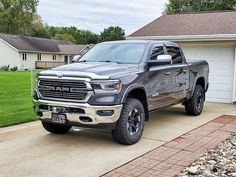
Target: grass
<point>15,98</point>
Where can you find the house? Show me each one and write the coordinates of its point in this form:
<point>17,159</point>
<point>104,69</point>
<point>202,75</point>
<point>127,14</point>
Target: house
<point>36,53</point>
<point>208,36</point>
<point>69,51</point>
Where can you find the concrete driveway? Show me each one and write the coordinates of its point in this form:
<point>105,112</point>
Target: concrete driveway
<point>28,150</point>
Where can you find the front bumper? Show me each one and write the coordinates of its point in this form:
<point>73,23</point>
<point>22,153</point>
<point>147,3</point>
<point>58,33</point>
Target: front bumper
<point>88,111</point>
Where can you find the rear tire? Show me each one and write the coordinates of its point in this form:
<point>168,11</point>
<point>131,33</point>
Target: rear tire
<point>56,129</point>
<point>130,125</point>
<point>195,105</point>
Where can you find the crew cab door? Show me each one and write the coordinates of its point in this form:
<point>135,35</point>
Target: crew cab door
<point>159,77</point>
<point>179,74</point>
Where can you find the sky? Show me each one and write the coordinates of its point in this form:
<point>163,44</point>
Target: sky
<point>95,15</point>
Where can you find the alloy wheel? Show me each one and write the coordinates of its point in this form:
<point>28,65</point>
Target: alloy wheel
<point>134,122</point>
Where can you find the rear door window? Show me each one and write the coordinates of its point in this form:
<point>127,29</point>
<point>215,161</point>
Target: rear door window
<point>175,54</point>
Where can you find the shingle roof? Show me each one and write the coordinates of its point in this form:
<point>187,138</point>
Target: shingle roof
<point>33,44</point>
<point>72,49</point>
<point>190,24</point>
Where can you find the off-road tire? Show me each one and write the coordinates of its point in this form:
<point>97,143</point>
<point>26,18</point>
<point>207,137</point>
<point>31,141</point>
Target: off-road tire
<point>56,129</point>
<point>194,106</point>
<point>121,134</point>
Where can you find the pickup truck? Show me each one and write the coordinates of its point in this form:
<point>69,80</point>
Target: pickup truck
<point>116,84</point>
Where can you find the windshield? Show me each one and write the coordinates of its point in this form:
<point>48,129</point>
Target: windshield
<point>124,53</point>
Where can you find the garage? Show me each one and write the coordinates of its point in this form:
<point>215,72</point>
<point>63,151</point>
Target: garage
<point>203,36</point>
<point>221,63</point>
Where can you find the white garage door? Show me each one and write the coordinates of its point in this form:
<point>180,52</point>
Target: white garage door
<point>221,62</point>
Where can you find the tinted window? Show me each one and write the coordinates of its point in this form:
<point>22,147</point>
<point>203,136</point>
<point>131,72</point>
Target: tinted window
<point>157,51</point>
<point>175,53</point>
<point>24,56</point>
<point>39,57</point>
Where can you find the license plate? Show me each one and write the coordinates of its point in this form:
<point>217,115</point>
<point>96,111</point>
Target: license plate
<point>59,118</point>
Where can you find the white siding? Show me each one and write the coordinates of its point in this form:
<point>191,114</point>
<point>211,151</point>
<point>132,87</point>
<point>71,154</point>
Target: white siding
<point>29,63</point>
<point>49,57</point>
<point>8,55</point>
<point>234,93</point>
<point>33,57</point>
<point>221,61</point>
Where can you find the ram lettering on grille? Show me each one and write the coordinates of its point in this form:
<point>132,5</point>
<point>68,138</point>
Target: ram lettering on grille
<point>61,89</point>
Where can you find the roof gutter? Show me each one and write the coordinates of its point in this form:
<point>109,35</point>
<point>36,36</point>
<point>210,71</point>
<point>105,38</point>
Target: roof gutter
<point>42,52</point>
<point>212,37</point>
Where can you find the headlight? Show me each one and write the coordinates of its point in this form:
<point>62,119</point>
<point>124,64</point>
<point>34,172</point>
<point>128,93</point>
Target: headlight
<point>107,86</point>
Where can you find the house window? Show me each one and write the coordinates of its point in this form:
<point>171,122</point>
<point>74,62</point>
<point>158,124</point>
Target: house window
<point>24,57</point>
<point>54,57</point>
<point>39,57</point>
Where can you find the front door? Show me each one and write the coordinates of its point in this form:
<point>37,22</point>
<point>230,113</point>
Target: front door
<point>159,81</point>
<point>66,59</point>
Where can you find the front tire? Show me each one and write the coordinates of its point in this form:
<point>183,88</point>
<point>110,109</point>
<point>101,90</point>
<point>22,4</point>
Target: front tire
<point>195,105</point>
<point>56,129</point>
<point>130,125</point>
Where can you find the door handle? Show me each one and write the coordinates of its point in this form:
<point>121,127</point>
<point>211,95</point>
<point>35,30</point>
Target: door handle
<point>184,70</point>
<point>168,73</point>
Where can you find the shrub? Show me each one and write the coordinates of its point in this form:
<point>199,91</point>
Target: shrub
<point>5,68</point>
<point>15,68</point>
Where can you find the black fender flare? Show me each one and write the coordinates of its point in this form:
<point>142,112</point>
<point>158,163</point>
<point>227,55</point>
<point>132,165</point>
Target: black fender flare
<point>195,83</point>
<point>134,87</point>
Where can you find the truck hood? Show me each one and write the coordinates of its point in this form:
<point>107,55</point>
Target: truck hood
<point>93,70</point>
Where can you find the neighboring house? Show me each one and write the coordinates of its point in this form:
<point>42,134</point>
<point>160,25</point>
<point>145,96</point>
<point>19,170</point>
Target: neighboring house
<point>208,36</point>
<point>36,53</point>
<point>69,51</point>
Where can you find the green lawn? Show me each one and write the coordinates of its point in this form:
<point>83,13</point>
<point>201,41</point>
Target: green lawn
<point>15,98</point>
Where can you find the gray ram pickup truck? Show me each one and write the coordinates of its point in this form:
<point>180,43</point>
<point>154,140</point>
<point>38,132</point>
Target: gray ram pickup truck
<point>116,84</point>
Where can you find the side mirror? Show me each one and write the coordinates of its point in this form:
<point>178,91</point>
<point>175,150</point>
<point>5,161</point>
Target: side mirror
<point>76,58</point>
<point>164,58</point>
<point>161,60</point>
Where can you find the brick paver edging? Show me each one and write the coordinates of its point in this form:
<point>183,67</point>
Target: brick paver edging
<point>173,157</point>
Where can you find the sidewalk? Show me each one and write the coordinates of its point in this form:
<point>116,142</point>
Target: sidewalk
<point>173,157</point>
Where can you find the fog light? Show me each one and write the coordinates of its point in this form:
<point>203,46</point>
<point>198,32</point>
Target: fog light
<point>105,112</point>
<point>58,109</point>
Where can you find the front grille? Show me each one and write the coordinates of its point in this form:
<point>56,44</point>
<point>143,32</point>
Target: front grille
<point>62,83</point>
<point>63,89</point>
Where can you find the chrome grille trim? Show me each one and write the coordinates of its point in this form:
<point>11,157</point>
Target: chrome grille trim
<point>78,90</point>
<point>65,83</point>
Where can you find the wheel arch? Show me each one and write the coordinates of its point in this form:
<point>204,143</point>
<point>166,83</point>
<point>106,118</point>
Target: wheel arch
<point>201,81</point>
<point>140,94</point>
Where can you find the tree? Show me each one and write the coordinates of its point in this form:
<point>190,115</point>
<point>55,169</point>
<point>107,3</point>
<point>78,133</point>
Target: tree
<point>72,33</point>
<point>65,37</point>
<point>17,16</point>
<point>188,6</point>
<point>40,29</point>
<point>87,37</point>
<point>112,34</point>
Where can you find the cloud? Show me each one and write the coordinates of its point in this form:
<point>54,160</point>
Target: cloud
<point>98,14</point>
